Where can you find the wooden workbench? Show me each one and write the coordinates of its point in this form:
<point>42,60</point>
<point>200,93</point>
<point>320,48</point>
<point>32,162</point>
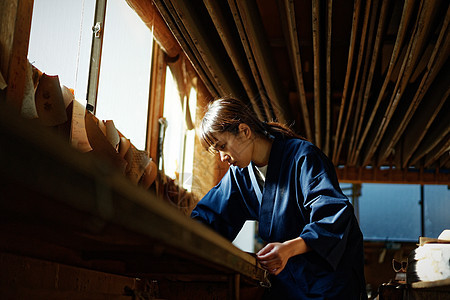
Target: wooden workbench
<point>65,207</point>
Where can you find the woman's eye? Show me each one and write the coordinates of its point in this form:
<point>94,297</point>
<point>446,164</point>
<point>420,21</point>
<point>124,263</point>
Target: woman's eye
<point>222,147</point>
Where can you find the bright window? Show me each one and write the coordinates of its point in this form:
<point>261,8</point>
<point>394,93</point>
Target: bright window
<point>178,148</point>
<point>393,212</point>
<point>125,72</point>
<point>60,41</point>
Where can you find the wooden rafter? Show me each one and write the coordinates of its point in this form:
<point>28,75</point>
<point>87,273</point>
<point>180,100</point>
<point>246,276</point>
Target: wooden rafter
<point>367,74</point>
<point>337,141</point>
<point>436,62</point>
<point>417,130</point>
<point>257,38</point>
<point>442,149</point>
<point>326,148</point>
<point>408,8</point>
<point>368,86</point>
<point>417,43</point>
<point>316,55</point>
<point>438,131</point>
<point>361,51</point>
<point>235,52</point>
<point>287,12</point>
<point>168,13</point>
<point>262,93</point>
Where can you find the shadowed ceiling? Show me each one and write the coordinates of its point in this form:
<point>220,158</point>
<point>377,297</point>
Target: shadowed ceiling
<point>366,81</point>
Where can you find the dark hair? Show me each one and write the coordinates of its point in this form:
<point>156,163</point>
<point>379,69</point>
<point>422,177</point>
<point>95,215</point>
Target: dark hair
<point>225,115</point>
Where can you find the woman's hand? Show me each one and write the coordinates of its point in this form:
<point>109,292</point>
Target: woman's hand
<point>274,256</point>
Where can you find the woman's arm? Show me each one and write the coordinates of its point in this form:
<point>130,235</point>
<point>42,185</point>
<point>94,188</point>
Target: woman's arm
<point>274,256</point>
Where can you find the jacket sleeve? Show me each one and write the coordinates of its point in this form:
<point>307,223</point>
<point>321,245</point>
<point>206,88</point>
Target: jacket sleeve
<point>223,208</point>
<point>330,213</point>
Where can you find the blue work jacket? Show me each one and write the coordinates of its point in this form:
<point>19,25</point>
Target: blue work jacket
<point>301,197</point>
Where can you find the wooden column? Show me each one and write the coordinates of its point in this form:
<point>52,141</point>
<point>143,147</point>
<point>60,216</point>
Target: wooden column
<point>15,25</point>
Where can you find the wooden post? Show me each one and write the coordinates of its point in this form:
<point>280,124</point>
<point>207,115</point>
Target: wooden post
<point>15,25</point>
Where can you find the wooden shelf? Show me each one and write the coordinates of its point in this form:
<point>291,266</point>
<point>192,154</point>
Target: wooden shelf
<point>64,206</point>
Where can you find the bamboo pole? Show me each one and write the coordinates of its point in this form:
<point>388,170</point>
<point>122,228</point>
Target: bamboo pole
<point>316,57</point>
<point>337,141</point>
<point>287,12</point>
<point>368,87</point>
<point>417,43</point>
<point>235,52</point>
<point>404,22</point>
<point>357,75</point>
<point>436,62</point>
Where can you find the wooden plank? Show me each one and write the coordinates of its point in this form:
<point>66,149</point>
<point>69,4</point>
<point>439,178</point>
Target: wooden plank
<point>235,52</point>
<point>337,138</point>
<point>15,26</point>
<point>375,175</point>
<point>407,13</point>
<point>38,162</point>
<point>437,60</point>
<point>287,12</point>
<point>430,284</point>
<point>422,30</point>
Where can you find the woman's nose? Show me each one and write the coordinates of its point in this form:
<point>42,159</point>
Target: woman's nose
<point>224,157</point>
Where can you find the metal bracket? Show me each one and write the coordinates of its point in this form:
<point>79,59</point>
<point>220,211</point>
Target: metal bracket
<point>97,29</point>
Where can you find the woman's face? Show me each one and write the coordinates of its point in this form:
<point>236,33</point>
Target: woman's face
<point>236,149</point>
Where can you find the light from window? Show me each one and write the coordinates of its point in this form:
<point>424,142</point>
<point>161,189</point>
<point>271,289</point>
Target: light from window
<point>60,41</point>
<point>125,72</point>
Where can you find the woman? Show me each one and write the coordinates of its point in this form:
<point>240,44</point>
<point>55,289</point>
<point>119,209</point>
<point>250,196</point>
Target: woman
<point>314,245</point>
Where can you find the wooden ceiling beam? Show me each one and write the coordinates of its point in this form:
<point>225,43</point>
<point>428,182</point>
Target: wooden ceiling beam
<point>149,14</point>
<point>368,72</point>
<point>337,139</point>
<point>234,49</point>
<point>407,12</point>
<point>392,175</point>
<point>420,125</point>
<point>417,43</point>
<point>289,23</point>
<point>440,150</point>
<point>254,28</point>
<point>436,62</point>
<point>176,27</point>
<point>326,148</point>
<point>263,94</point>
<point>208,47</point>
<point>362,48</point>
<point>437,137</point>
<point>316,73</point>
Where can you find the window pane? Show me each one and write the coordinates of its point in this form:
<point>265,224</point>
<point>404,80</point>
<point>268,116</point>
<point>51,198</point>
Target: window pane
<point>125,72</point>
<point>60,41</point>
<point>173,113</point>
<point>437,209</point>
<point>390,212</point>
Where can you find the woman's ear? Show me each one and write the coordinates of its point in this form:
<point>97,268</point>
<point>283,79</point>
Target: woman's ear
<point>245,130</point>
